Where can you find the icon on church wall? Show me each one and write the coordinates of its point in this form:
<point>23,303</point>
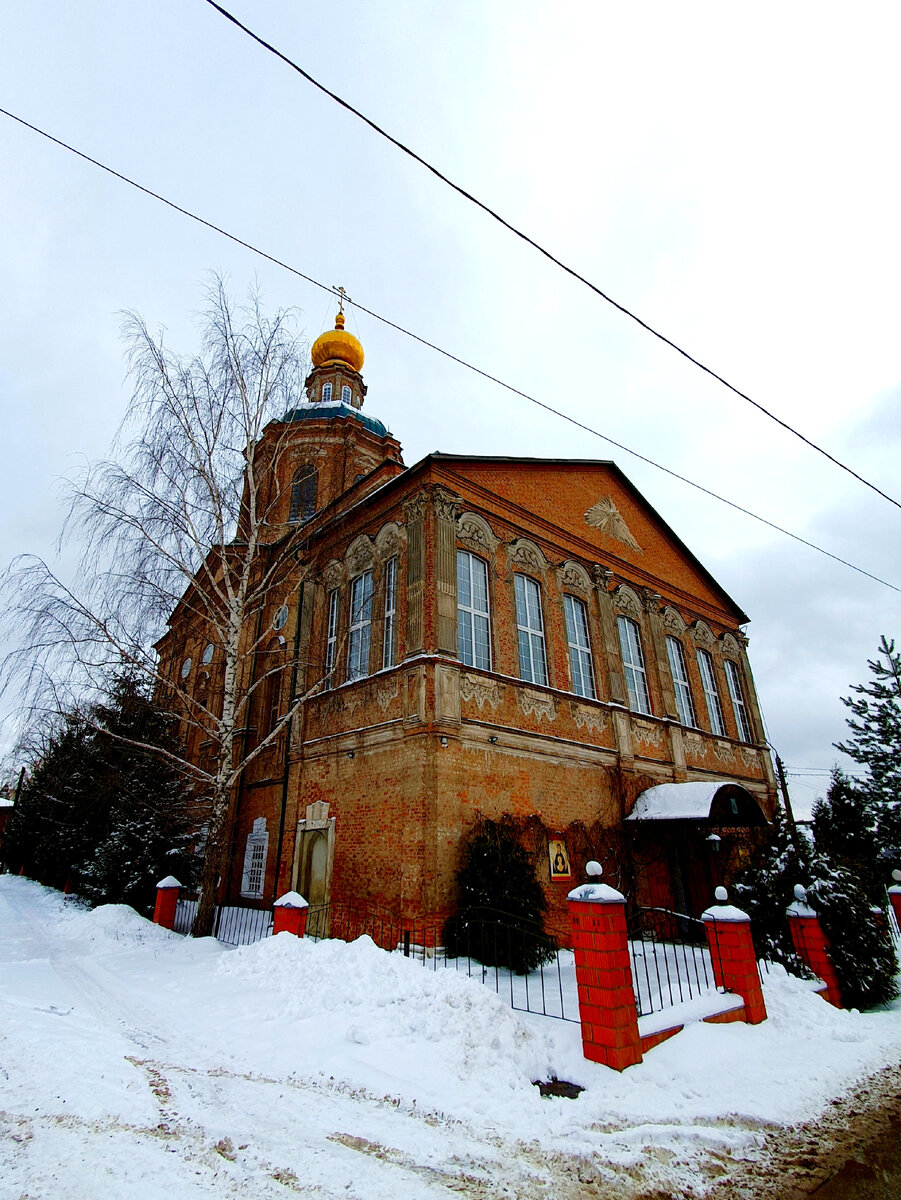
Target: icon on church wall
<point>558,859</point>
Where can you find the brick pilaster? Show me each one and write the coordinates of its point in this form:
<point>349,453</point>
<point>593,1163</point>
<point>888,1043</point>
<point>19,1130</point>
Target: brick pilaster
<point>166,902</point>
<point>894,895</point>
<point>604,976</point>
<point>289,914</point>
<point>811,944</point>
<point>733,955</point>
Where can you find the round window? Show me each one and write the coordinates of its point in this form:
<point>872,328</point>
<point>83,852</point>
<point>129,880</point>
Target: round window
<point>186,668</point>
<point>208,652</point>
<point>280,618</point>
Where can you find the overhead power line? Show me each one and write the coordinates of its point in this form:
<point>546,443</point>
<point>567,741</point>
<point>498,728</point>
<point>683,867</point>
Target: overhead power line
<point>496,216</point>
<point>440,350</point>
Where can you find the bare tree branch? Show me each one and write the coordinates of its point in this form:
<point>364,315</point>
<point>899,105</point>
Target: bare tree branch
<point>184,519</point>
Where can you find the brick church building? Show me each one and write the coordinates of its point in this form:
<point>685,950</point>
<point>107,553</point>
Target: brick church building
<point>479,637</point>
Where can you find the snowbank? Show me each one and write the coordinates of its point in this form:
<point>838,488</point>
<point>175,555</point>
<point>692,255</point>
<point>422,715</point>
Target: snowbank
<point>119,1029</point>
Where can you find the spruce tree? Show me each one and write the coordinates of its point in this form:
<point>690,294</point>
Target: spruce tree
<point>844,834</point>
<point>100,815</point>
<point>500,905</point>
<point>765,889</point>
<point>860,945</point>
<point>876,744</point>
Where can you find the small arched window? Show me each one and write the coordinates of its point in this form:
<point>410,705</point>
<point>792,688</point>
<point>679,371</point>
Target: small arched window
<point>303,493</point>
<point>326,393</point>
<point>345,394</point>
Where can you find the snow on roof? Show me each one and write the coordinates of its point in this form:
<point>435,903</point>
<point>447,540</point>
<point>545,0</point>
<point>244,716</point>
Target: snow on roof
<point>677,801</point>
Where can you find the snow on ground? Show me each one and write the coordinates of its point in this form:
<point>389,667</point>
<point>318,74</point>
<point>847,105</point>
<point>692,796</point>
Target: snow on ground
<point>135,1062</point>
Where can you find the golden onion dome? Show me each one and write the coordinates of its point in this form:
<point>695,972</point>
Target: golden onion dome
<point>337,345</point>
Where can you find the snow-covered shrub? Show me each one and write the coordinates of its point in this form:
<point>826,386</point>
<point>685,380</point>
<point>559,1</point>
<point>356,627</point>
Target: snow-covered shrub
<point>860,945</point>
<point>765,888</point>
<point>500,903</point>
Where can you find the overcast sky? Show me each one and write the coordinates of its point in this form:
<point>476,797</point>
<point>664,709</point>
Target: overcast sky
<point>728,173</point>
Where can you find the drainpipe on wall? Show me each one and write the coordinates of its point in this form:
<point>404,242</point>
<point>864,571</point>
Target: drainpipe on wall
<point>239,785</point>
<point>289,727</point>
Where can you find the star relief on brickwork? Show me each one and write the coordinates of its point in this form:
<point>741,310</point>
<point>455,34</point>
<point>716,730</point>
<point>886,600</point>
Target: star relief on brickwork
<point>606,516</point>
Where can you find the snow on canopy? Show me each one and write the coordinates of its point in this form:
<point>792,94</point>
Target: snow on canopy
<point>681,801</point>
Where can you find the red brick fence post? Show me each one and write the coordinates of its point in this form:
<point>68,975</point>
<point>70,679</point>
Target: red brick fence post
<point>811,944</point>
<point>166,902</point>
<point>290,914</point>
<point>894,895</point>
<point>604,975</point>
<point>733,956</point>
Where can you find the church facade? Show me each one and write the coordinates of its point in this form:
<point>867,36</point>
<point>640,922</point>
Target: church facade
<point>477,638</point>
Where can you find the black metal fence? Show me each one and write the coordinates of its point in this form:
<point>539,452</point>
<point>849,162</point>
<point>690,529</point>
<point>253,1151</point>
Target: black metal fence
<point>670,957</point>
<point>232,924</point>
<point>668,951</point>
<point>486,948</point>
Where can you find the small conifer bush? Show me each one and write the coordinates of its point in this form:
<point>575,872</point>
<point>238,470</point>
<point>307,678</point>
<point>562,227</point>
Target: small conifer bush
<point>500,904</point>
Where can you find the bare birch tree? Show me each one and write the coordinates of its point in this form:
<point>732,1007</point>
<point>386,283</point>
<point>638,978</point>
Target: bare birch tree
<point>183,517</point>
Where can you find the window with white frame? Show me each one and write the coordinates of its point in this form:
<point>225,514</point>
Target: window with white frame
<point>685,705</point>
<point>736,692</point>
<point>256,851</point>
<point>390,612</point>
<point>530,630</point>
<point>711,694</point>
<point>473,618</point>
<point>326,393</point>
<point>331,636</point>
<point>633,665</point>
<point>579,646</point>
<point>360,627</point>
<point>345,394</point>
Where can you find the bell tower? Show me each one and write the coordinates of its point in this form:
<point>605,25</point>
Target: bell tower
<point>327,445</point>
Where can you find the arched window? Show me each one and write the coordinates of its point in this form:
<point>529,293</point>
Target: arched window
<point>711,693</point>
<point>579,646</point>
<point>739,707</point>
<point>473,616</point>
<point>530,630</point>
<point>303,493</point>
<point>345,394</point>
<point>360,626</point>
<point>326,393</point>
<point>633,663</point>
<point>685,705</point>
<point>256,851</point>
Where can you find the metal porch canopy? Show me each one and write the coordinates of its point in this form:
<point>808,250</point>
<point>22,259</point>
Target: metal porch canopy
<point>720,800</point>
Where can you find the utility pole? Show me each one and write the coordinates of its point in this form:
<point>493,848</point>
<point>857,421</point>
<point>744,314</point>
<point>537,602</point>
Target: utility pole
<point>786,799</point>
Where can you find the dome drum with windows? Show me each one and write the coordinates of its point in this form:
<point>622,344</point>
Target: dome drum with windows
<point>335,387</point>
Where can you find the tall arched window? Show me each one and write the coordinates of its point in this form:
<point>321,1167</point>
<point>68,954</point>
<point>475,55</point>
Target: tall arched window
<point>633,663</point>
<point>303,493</point>
<point>473,632</point>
